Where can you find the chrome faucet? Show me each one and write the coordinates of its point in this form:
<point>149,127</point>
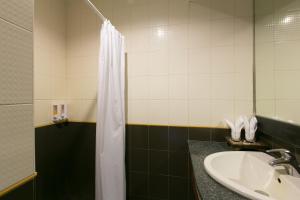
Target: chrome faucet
<point>286,160</point>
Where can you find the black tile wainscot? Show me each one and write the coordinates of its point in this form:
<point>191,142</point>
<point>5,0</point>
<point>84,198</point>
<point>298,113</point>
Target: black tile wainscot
<point>24,192</point>
<point>65,161</point>
<point>279,134</point>
<point>157,160</point>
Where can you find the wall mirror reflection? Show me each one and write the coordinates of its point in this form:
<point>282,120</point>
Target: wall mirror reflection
<point>277,59</point>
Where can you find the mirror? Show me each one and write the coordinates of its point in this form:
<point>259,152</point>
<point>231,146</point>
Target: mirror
<point>277,59</point>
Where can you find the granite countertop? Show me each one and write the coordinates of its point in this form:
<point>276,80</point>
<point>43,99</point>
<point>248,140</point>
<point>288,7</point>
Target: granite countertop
<point>208,188</point>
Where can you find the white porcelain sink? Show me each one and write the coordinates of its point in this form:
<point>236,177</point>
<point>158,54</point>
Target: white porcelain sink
<point>250,175</point>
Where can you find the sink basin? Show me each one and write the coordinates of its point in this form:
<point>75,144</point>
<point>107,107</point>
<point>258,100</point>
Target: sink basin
<point>250,175</point>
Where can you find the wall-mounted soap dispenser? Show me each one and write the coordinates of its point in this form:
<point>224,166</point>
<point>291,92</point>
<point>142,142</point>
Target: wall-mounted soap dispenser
<point>59,113</point>
<point>63,109</point>
<point>55,113</point>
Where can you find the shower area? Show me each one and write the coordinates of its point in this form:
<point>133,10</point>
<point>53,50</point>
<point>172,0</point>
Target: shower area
<point>66,50</point>
<point>189,67</point>
<point>66,76</point>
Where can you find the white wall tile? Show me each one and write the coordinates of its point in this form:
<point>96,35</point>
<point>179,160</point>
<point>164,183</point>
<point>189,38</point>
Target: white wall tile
<point>158,112</point>
<point>200,113</point>
<point>178,87</point>
<point>285,87</point>
<point>42,61</point>
<point>244,8</point>
<point>138,111</point>
<point>222,109</point>
<point>199,60</point>
<point>74,110</point>
<point>223,86</point>
<point>199,34</point>
<point>178,112</point>
<point>199,87</point>
<point>89,86</point>
<point>42,112</point>
<point>288,110</point>
<point>243,108</point>
<point>121,13</point>
<point>159,38</point>
<point>263,28</point>
<point>277,62</point>
<point>223,59</point>
<point>158,64</point>
<point>17,141</point>
<point>140,15</point>
<point>286,31</point>
<point>188,56</point>
<point>58,65</point>
<point>16,92</point>
<point>243,57</point>
<point>264,7</point>
<point>88,110</point>
<point>139,87</point>
<point>50,33</point>
<point>281,6</point>
<point>141,39</point>
<point>243,86</point>
<point>42,87</point>
<point>286,54</point>
<point>178,12</point>
<point>159,12</point>
<point>200,11</point>
<point>264,56</point>
<point>178,61</point>
<point>82,66</point>
<point>222,9</point>
<point>18,12</point>
<point>222,32</point>
<point>16,61</point>
<point>138,64</point>
<point>243,31</point>
<point>59,88</point>
<point>178,36</point>
<point>159,87</point>
<point>265,107</point>
<point>74,88</point>
<point>266,81</point>
<point>83,50</point>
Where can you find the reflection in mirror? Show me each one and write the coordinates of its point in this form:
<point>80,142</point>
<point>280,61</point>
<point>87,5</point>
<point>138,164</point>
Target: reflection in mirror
<point>277,59</point>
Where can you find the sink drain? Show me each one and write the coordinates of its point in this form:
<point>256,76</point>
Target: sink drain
<point>262,192</point>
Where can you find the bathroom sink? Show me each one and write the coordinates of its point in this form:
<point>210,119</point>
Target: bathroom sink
<point>250,175</point>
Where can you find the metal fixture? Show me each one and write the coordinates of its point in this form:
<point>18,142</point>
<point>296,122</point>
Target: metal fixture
<point>286,160</point>
<point>95,9</point>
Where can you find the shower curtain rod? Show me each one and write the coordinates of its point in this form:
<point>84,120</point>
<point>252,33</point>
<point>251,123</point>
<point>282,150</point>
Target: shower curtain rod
<point>95,9</point>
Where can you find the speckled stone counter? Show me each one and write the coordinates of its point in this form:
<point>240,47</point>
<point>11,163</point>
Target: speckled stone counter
<point>208,188</point>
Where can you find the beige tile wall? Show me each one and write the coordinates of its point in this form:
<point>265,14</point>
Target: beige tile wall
<point>49,58</point>
<point>189,63</point>
<point>277,59</point>
<point>83,35</point>
<point>16,89</point>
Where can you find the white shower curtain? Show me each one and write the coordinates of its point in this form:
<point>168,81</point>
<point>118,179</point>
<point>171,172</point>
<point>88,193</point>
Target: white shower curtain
<point>110,136</point>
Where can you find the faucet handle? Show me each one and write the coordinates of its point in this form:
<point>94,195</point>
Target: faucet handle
<point>283,152</point>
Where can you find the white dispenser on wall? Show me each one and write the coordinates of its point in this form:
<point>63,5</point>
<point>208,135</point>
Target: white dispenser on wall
<point>59,113</point>
<point>63,109</point>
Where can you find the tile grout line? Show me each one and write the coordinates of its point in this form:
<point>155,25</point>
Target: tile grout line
<point>16,25</point>
<point>168,162</point>
<point>149,165</point>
